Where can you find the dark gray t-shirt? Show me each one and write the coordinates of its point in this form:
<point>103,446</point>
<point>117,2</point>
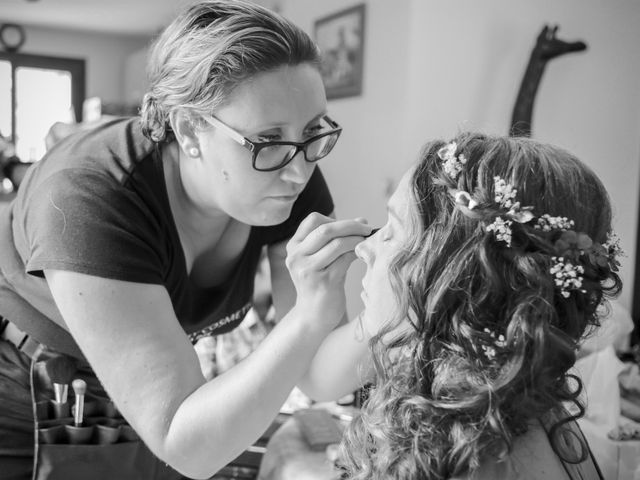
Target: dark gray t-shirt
<point>97,204</point>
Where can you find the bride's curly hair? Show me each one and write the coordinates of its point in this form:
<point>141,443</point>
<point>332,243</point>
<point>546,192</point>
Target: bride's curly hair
<point>441,403</point>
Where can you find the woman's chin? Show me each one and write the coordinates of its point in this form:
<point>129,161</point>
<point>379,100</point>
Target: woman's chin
<point>268,217</point>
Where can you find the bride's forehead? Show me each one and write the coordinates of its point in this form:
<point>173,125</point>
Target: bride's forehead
<point>401,197</point>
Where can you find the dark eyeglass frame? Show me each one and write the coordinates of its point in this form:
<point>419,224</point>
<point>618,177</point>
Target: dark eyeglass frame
<point>255,147</point>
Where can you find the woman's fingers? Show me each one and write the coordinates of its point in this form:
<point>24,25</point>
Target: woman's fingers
<point>318,257</point>
<point>316,232</point>
<point>309,224</point>
<point>320,252</point>
<point>325,240</point>
<point>334,249</point>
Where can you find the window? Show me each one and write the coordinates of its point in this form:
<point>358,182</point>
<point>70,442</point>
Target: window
<point>35,92</point>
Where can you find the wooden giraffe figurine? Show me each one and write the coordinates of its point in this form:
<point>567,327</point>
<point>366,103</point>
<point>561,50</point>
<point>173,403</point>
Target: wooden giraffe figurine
<point>547,47</point>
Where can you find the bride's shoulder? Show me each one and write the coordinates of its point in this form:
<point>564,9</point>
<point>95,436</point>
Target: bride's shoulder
<point>531,458</point>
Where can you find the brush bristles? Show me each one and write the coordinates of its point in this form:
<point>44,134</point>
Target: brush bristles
<point>79,386</point>
<point>60,369</point>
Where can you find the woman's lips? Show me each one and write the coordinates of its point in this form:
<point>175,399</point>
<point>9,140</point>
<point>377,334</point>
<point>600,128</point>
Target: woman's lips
<point>285,198</point>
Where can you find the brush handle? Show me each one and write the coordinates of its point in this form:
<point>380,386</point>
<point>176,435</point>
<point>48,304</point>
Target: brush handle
<point>79,388</point>
<point>78,411</point>
<point>61,391</point>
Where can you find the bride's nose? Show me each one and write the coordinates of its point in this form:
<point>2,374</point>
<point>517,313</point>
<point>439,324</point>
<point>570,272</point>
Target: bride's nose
<point>364,250</point>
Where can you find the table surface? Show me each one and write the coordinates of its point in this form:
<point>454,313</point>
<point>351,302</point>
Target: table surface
<point>288,457</point>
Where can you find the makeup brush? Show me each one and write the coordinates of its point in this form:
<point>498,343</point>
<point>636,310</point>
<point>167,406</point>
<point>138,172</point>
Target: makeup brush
<point>60,371</point>
<point>79,388</point>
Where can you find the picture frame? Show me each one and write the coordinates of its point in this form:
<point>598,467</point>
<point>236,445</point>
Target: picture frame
<point>340,37</point>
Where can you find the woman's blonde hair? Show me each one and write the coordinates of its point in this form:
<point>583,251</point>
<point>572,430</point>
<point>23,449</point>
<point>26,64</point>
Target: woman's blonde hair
<point>211,48</point>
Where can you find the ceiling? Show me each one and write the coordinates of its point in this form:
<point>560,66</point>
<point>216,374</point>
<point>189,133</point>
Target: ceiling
<point>129,17</point>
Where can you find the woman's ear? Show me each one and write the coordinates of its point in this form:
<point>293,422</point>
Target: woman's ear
<point>184,127</point>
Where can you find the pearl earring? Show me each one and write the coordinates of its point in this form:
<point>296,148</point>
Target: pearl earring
<point>194,152</point>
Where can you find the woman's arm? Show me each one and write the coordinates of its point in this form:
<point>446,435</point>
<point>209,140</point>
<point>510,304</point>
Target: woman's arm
<point>339,366</point>
<point>283,291</point>
<point>139,352</point>
<point>133,341</point>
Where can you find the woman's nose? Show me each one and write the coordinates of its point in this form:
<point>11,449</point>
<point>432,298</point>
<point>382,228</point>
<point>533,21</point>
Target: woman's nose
<point>298,170</point>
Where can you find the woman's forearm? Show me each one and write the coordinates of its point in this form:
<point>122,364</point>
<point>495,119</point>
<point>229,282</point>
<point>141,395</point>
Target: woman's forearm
<point>215,423</point>
<point>340,365</point>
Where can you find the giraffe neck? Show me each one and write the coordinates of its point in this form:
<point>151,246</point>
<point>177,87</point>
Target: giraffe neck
<point>523,109</point>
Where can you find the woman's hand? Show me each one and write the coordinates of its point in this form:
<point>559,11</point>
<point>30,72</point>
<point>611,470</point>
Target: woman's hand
<point>318,256</point>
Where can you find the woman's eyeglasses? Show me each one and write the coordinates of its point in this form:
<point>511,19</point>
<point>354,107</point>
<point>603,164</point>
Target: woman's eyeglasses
<point>270,156</point>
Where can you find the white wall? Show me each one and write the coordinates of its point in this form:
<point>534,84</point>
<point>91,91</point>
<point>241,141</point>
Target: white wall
<point>434,67</point>
<point>105,56</point>
<point>135,81</point>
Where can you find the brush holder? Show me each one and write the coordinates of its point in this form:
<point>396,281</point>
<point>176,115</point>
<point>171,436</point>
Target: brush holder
<point>80,435</point>
<point>106,434</point>
<point>54,431</point>
<point>106,430</point>
<point>104,446</point>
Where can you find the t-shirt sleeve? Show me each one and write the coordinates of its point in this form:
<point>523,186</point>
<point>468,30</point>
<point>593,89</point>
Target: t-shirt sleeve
<point>83,221</point>
<point>314,198</point>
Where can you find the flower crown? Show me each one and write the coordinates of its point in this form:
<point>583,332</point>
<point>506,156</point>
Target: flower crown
<point>573,249</point>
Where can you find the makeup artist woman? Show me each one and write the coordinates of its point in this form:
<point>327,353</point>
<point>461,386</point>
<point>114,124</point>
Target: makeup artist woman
<point>129,242</point>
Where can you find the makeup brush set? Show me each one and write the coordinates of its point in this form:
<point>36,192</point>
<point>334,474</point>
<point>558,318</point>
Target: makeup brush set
<point>79,431</point>
<point>71,415</point>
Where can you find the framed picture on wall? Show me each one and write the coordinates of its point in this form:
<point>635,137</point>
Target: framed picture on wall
<point>340,37</point>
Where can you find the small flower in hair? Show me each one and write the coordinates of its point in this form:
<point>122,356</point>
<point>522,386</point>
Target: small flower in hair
<point>614,250</point>
<point>501,229</point>
<point>452,165</point>
<point>547,223</point>
<point>606,255</point>
<point>612,244</point>
<point>504,193</point>
<point>490,350</point>
<point>567,277</point>
<point>504,196</point>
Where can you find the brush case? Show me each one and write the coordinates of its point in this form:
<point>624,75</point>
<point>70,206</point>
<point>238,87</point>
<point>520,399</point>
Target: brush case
<point>104,446</point>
